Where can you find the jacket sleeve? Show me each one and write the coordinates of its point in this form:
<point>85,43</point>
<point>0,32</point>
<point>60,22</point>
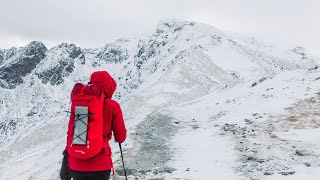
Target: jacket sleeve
<point>118,126</point>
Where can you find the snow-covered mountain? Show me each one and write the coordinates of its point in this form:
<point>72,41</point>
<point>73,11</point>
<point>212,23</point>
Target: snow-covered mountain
<point>199,103</point>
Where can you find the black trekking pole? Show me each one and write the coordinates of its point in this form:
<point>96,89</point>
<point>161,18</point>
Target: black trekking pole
<point>124,169</point>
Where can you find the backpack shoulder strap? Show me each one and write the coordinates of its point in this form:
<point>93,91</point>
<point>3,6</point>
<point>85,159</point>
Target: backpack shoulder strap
<point>82,89</point>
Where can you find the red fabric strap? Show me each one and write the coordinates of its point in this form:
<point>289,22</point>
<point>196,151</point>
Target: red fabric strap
<point>82,89</point>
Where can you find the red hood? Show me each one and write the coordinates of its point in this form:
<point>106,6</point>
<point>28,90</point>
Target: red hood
<point>104,81</point>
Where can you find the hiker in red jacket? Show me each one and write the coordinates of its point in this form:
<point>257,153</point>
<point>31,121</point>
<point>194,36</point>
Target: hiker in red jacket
<point>99,166</point>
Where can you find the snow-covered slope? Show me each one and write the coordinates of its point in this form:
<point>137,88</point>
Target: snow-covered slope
<point>198,103</point>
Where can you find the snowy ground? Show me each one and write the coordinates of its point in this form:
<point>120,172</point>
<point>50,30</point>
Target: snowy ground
<point>260,132</point>
<point>247,132</point>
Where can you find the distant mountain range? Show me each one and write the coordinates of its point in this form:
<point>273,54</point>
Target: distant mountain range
<point>194,58</point>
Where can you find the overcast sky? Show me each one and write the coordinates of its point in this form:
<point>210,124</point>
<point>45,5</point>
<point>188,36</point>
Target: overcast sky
<point>92,23</point>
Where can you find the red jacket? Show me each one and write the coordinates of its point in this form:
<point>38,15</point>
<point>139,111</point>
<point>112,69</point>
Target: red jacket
<point>113,122</point>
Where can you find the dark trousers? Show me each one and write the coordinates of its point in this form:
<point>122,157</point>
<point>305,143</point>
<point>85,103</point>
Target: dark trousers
<point>98,175</point>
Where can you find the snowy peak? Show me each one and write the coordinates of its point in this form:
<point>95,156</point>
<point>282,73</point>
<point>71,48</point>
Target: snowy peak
<point>299,50</point>
<point>20,63</point>
<point>59,63</point>
<point>2,56</point>
<point>7,54</point>
<point>33,48</point>
<point>171,42</point>
<point>171,26</point>
<point>72,49</point>
<point>303,53</point>
<point>116,52</point>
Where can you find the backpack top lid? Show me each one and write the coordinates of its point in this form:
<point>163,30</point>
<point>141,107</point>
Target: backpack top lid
<point>88,90</point>
<point>104,81</point>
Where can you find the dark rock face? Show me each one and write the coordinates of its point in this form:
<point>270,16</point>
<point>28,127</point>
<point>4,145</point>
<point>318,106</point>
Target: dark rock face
<point>151,47</point>
<point>82,59</point>
<point>72,49</point>
<point>55,75</point>
<point>147,51</point>
<point>150,52</point>
<point>1,56</point>
<point>113,53</point>
<point>8,129</point>
<point>7,54</point>
<point>299,50</point>
<point>11,75</point>
<point>11,52</point>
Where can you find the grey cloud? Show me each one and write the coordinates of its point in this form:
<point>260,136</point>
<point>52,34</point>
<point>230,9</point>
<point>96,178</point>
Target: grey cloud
<point>93,23</point>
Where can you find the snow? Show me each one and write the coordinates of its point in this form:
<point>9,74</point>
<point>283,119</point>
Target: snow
<point>204,117</point>
<point>232,61</point>
<point>311,173</point>
<point>201,154</point>
<point>204,104</point>
<point>310,136</point>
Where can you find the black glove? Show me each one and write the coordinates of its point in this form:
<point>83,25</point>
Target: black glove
<point>64,172</point>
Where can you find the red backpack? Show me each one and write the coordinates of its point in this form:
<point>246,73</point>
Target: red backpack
<point>85,131</point>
